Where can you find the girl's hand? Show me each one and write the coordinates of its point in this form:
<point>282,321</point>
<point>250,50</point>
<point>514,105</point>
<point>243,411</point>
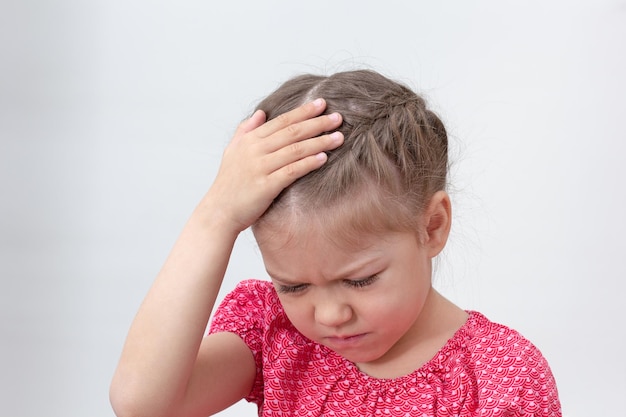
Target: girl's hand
<point>264,158</point>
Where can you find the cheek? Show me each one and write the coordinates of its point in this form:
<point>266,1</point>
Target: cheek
<point>298,312</point>
<point>396,303</point>
<point>381,309</point>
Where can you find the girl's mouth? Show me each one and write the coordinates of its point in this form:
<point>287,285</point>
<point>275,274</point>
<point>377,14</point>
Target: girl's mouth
<point>341,342</point>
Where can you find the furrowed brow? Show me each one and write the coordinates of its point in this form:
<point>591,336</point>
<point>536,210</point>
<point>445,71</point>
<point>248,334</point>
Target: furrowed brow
<point>280,280</point>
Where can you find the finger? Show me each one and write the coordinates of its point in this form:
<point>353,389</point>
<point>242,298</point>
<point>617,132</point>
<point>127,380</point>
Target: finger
<point>299,114</point>
<point>304,130</point>
<point>303,149</point>
<point>248,125</point>
<point>289,173</point>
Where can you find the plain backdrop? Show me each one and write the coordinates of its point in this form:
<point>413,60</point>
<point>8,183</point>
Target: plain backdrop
<point>114,115</point>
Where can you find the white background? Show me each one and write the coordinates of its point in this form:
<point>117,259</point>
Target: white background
<point>113,116</point>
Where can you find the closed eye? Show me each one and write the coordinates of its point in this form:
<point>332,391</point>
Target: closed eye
<point>298,288</point>
<point>360,283</point>
<point>291,289</point>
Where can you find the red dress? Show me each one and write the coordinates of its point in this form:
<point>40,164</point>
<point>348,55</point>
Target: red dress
<point>485,369</point>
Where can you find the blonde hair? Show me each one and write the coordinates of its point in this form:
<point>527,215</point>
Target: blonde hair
<point>394,156</point>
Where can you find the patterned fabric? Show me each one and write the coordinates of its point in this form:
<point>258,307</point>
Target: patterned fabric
<point>485,369</point>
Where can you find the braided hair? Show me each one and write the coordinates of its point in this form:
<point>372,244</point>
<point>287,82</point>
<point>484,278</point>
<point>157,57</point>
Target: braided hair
<point>394,156</point>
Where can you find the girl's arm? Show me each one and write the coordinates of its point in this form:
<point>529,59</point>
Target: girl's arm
<point>167,367</point>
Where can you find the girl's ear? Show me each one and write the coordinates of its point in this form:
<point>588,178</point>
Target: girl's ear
<point>437,222</point>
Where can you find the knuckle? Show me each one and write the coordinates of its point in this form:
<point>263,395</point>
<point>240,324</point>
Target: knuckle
<point>283,119</point>
<point>293,130</point>
<point>297,149</point>
<point>291,171</point>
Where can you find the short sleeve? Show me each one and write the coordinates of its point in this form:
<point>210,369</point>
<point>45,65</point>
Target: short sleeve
<point>539,396</point>
<point>242,312</point>
<point>512,375</point>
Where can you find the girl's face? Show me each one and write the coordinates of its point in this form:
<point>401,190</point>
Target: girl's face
<point>362,301</point>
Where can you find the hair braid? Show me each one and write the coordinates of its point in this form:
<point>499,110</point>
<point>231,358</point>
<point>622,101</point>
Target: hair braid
<point>394,148</point>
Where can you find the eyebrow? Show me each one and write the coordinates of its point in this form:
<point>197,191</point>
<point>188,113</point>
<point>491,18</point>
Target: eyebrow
<point>349,272</point>
<point>281,281</point>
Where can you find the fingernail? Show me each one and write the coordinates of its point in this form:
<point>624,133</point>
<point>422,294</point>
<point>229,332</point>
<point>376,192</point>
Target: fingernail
<point>336,136</point>
<point>334,117</point>
<point>318,102</point>
<point>321,156</point>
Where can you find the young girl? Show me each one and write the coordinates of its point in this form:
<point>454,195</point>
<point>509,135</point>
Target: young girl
<point>342,179</point>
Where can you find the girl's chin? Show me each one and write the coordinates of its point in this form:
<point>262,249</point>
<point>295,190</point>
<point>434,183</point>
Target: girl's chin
<point>358,358</point>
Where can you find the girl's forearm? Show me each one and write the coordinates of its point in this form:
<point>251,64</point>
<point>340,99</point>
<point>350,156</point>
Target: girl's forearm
<point>165,336</point>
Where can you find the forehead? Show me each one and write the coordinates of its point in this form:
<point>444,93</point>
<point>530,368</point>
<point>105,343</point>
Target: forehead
<point>290,232</point>
<point>355,224</point>
<point>311,254</point>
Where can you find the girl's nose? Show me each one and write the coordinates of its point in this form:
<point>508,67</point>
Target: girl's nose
<point>332,313</point>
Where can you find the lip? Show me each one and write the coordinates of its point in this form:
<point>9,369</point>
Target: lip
<point>345,341</point>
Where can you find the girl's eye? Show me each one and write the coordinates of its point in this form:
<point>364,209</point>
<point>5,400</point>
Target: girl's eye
<point>291,289</point>
<point>360,283</point>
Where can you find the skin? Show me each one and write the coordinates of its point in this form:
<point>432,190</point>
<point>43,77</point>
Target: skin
<point>167,367</point>
<point>372,303</point>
